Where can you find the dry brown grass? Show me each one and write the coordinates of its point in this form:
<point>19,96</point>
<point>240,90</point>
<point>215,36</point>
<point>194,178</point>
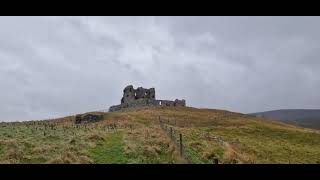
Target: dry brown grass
<point>248,139</point>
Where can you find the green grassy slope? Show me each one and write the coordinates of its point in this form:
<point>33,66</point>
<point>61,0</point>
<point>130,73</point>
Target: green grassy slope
<point>138,138</point>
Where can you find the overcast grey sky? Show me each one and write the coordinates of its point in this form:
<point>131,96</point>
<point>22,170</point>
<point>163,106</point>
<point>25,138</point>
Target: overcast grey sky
<point>57,66</point>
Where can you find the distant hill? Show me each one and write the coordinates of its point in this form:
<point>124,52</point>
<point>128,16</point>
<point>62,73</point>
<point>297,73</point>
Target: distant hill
<point>309,118</point>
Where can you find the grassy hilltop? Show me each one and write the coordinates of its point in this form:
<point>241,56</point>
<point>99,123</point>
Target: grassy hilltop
<point>136,136</point>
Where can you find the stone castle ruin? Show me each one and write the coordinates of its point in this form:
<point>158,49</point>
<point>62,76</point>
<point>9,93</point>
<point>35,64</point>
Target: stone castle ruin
<point>141,97</point>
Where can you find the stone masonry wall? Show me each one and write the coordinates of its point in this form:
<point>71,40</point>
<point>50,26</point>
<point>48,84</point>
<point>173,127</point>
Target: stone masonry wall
<point>141,97</point>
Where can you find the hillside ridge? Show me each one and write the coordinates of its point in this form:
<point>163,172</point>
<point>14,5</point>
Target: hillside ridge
<point>136,136</point>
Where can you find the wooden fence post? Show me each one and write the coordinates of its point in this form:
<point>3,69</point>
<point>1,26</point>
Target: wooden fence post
<point>180,137</point>
<point>215,160</point>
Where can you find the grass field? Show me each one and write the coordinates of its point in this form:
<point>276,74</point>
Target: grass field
<point>138,138</point>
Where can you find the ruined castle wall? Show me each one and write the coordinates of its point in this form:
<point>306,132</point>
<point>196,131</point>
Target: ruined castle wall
<point>141,97</point>
<point>148,102</point>
<point>180,102</point>
<point>152,94</point>
<point>142,93</point>
<point>128,94</point>
<point>153,102</point>
<point>166,103</point>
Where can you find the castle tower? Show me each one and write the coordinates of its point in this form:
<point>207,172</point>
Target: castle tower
<point>128,94</point>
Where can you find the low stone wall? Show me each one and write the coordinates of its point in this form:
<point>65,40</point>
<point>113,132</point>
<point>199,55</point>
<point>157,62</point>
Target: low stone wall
<point>115,108</point>
<point>88,118</point>
<point>147,102</point>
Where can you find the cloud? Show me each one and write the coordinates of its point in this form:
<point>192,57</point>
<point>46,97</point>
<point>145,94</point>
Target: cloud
<point>56,66</point>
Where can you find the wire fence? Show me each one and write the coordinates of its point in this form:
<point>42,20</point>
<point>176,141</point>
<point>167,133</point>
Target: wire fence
<point>48,128</point>
<point>178,139</point>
